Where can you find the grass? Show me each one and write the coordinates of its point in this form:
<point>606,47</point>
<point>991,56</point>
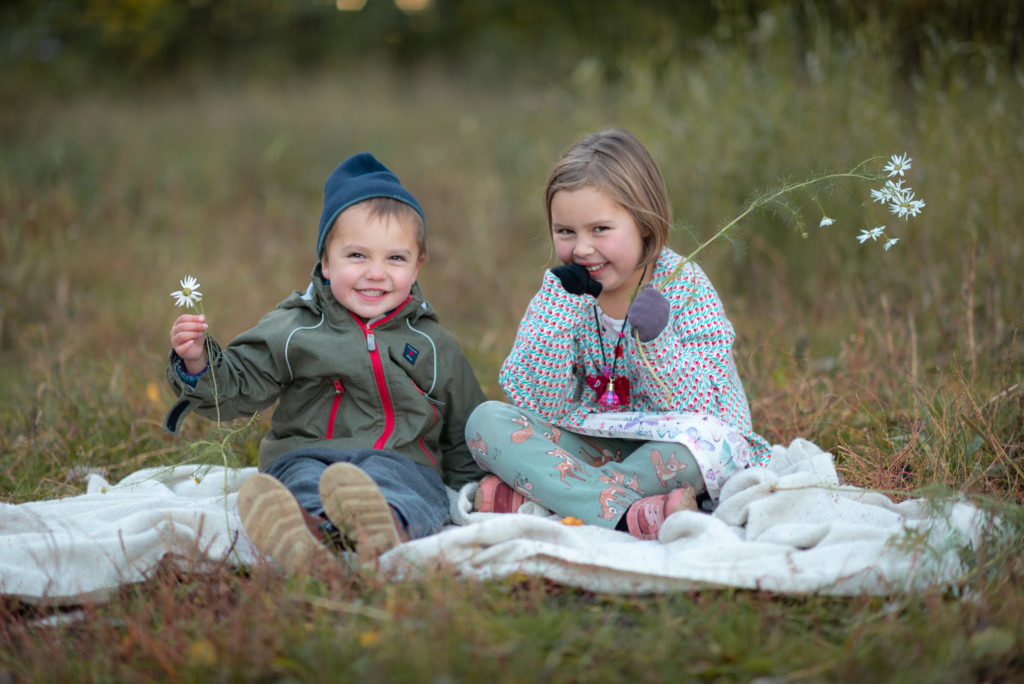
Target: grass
<point>907,365</point>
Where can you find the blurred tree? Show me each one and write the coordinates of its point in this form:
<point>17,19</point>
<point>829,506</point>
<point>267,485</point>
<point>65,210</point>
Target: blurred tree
<point>133,38</point>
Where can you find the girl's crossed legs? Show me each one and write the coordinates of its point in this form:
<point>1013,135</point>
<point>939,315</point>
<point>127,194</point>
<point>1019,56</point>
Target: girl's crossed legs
<point>594,479</point>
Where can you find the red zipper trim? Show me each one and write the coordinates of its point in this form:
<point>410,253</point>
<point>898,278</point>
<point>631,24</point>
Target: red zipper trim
<point>378,374</point>
<point>338,391</point>
<point>385,399</point>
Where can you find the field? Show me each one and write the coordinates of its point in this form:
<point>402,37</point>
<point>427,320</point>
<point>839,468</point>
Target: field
<point>906,364</point>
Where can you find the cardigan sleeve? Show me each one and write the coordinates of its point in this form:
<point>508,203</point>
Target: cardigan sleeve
<point>539,373</point>
<point>685,367</point>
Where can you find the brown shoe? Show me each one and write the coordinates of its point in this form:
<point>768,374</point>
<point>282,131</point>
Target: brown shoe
<point>277,525</point>
<point>355,505</point>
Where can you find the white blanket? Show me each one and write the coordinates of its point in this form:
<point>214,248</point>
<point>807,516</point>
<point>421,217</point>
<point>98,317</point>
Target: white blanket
<point>82,547</point>
<point>787,528</point>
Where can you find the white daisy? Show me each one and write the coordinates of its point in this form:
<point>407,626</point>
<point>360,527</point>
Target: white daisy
<point>826,221</point>
<point>897,165</point>
<point>890,192</point>
<point>891,243</point>
<point>905,205</point>
<point>872,234</point>
<point>189,294</point>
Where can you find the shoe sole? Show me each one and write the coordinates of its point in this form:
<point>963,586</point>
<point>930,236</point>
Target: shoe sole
<point>486,498</point>
<point>273,520</point>
<point>483,500</point>
<point>355,505</point>
<point>681,499</point>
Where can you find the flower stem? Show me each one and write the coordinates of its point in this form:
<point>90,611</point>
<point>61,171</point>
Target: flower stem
<point>753,206</point>
<point>762,201</point>
<point>647,363</point>
<point>209,354</point>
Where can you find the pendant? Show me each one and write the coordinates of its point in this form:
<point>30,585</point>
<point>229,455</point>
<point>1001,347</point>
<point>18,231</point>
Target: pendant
<point>610,400</point>
<point>610,393</point>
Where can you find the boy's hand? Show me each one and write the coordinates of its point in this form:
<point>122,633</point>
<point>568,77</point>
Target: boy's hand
<point>648,314</point>
<point>576,280</point>
<point>187,337</point>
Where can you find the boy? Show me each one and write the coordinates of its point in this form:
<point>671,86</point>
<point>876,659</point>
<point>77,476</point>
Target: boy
<point>373,394</point>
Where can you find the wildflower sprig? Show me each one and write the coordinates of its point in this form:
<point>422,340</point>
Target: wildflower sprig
<point>219,448</point>
<point>190,296</point>
<point>900,200</point>
<point>221,445</point>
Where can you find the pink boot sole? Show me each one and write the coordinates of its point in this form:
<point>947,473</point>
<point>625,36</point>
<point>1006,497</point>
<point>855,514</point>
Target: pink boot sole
<point>645,517</point>
<point>494,496</point>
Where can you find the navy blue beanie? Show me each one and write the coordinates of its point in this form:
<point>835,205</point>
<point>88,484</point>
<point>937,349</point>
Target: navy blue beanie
<point>358,178</point>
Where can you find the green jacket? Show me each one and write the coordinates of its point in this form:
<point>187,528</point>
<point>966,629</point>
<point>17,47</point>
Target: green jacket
<point>399,383</point>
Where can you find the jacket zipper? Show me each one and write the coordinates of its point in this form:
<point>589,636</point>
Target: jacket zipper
<point>338,391</point>
<point>378,374</point>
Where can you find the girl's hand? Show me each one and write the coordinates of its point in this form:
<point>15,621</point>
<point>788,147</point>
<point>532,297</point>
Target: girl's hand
<point>187,339</point>
<point>648,314</point>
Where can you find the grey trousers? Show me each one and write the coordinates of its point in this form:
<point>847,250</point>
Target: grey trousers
<point>415,492</point>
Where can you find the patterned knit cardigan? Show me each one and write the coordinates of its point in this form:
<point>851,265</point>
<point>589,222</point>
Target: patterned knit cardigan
<point>557,346</point>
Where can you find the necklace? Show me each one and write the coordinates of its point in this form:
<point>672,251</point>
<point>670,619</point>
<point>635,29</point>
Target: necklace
<point>612,392</point>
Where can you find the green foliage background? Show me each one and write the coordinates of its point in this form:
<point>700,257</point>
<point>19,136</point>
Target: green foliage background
<point>141,38</point>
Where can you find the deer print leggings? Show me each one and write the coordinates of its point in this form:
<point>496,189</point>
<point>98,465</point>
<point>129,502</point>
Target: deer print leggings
<point>594,479</point>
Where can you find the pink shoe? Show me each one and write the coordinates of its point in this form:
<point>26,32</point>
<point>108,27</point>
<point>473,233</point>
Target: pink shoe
<point>494,496</point>
<point>644,517</point>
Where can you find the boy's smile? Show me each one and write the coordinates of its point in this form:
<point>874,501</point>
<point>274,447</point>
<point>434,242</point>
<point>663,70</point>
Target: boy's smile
<point>371,261</point>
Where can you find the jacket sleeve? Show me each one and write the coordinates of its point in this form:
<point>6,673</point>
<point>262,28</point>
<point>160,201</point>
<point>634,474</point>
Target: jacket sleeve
<point>682,368</point>
<point>539,373</point>
<point>463,394</point>
<point>242,378</point>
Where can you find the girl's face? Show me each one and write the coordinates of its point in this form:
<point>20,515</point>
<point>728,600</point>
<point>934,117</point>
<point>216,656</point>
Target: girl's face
<point>592,229</point>
<point>372,262</point>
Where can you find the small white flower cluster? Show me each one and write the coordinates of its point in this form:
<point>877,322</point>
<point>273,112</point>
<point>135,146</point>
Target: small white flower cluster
<point>901,201</point>
<point>189,294</point>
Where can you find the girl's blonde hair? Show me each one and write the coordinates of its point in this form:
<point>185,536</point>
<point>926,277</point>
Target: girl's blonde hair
<point>614,161</point>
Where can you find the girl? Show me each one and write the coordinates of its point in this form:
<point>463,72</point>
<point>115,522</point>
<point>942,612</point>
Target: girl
<point>628,405</point>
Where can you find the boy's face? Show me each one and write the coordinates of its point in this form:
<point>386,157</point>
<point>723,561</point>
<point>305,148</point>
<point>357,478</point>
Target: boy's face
<point>371,261</point>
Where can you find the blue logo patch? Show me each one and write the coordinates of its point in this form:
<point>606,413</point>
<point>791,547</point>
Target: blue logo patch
<point>410,353</point>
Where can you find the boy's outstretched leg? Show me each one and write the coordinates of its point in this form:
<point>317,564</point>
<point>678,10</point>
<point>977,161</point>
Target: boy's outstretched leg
<point>277,525</point>
<point>355,505</point>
